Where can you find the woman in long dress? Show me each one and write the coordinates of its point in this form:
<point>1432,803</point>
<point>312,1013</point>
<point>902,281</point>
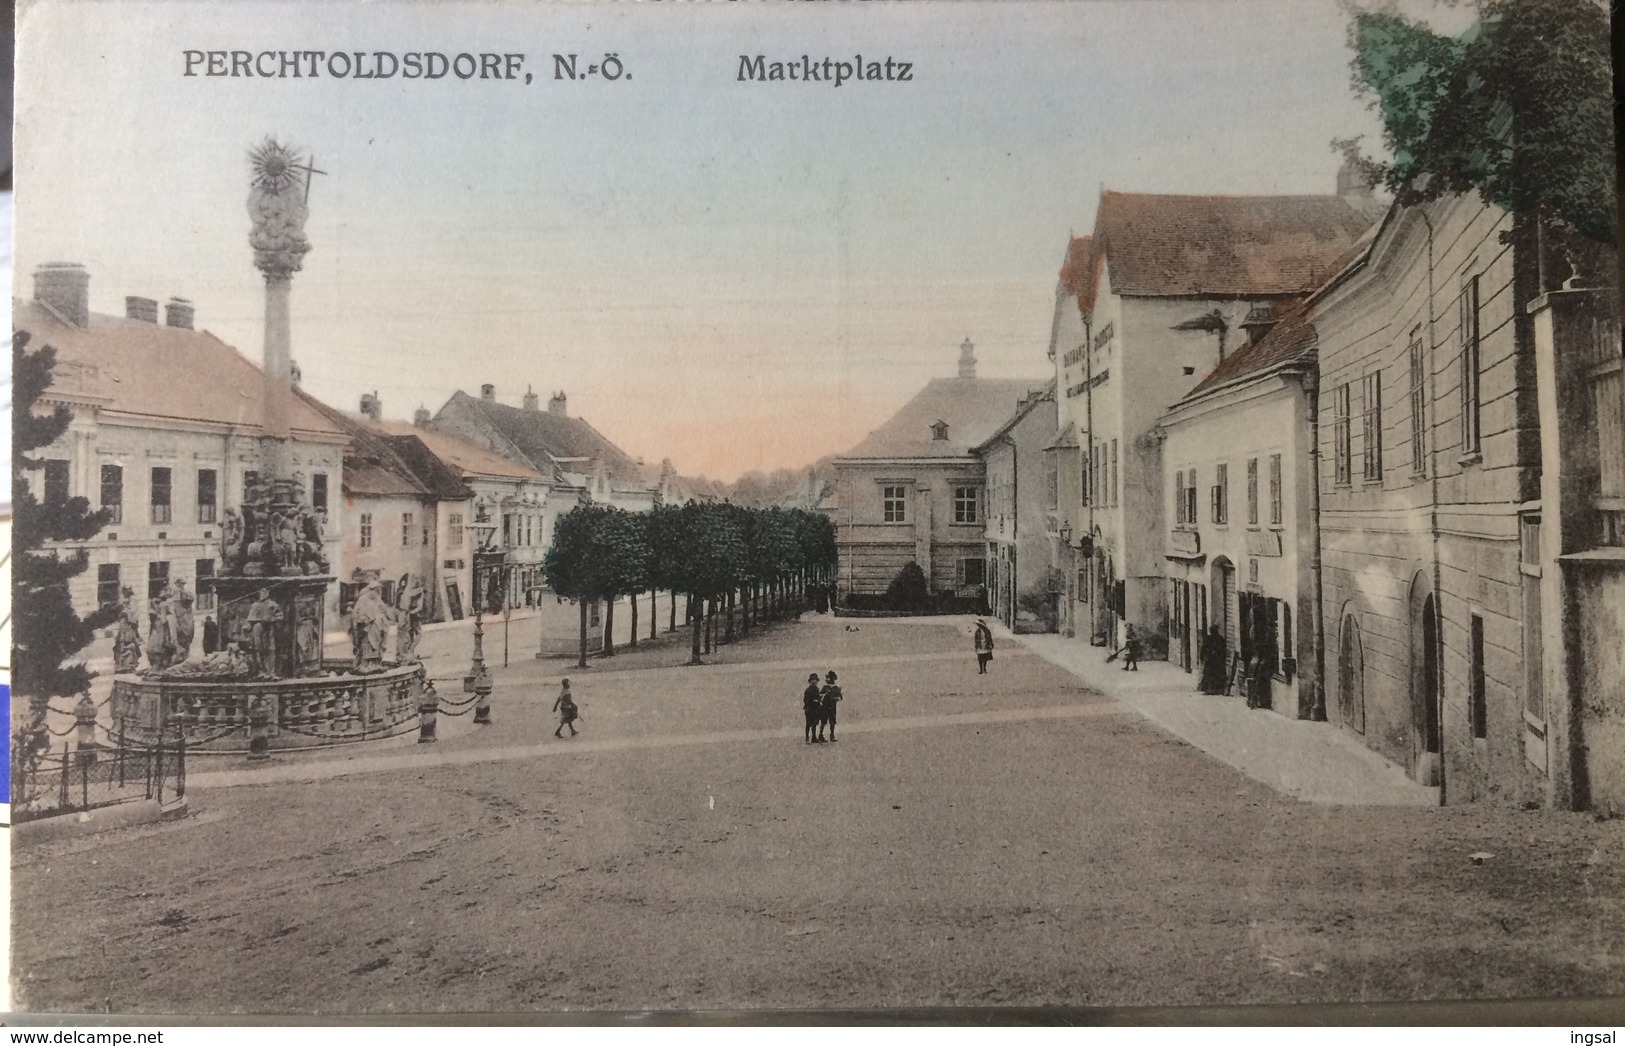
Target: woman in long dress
<point>1213,654</point>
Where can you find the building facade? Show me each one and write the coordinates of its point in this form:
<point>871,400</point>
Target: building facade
<point>168,459</point>
<point>1429,450</point>
<point>913,490</point>
<point>1239,494</point>
<point>1162,289</point>
<point>1024,587</point>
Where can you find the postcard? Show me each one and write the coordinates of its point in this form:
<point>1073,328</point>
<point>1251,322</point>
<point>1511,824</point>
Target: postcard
<point>566,509</point>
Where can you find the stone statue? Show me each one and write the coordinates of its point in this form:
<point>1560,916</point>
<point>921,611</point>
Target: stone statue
<point>307,642</point>
<point>369,621</point>
<point>127,640</point>
<point>160,638</point>
<point>311,554</point>
<point>180,606</point>
<point>286,543</point>
<point>409,613</point>
<point>276,203</point>
<point>231,542</point>
<point>263,617</point>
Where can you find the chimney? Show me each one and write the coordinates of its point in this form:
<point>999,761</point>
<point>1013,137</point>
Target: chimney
<point>559,405</point>
<point>1260,318</point>
<point>178,313</point>
<point>532,401</point>
<point>1352,183</point>
<point>143,309</point>
<point>371,407</point>
<point>65,287</point>
<point>488,392</point>
<point>967,360</point>
<point>420,417</point>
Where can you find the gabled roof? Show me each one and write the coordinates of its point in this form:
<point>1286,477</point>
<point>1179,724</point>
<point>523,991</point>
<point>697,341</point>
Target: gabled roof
<point>543,438</point>
<point>470,459</point>
<point>1226,246</point>
<point>1024,407</point>
<point>378,464</point>
<point>158,371</point>
<point>1078,272</point>
<point>1291,341</point>
<point>974,408</point>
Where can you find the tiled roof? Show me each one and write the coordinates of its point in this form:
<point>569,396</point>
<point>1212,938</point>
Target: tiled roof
<point>1291,340</point>
<point>471,459</point>
<point>1024,407</point>
<point>1231,246</point>
<point>1078,272</point>
<point>378,464</point>
<point>161,372</point>
<point>544,437</point>
<point>973,409</point>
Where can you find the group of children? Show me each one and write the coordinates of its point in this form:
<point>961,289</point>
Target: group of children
<point>819,704</point>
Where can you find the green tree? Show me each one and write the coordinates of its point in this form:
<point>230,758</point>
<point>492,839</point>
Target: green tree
<point>909,590</point>
<point>47,632</point>
<point>713,555</point>
<point>1519,108</point>
<point>588,558</point>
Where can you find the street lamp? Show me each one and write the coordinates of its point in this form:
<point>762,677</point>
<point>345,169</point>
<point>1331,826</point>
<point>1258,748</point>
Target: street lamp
<point>478,681</point>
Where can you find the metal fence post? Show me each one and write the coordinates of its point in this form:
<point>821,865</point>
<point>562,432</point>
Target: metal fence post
<point>84,783</point>
<point>180,766</point>
<point>65,803</point>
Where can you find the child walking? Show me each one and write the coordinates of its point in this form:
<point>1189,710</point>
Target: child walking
<point>565,706</point>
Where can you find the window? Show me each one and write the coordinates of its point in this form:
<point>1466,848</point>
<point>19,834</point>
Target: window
<point>1471,399</point>
<point>113,491</point>
<point>1476,704</point>
<point>251,478</point>
<point>507,529</point>
<point>1052,483</point>
<point>1179,497</point>
<point>157,578</point>
<point>160,495</point>
<point>965,502</point>
<point>56,480</point>
<point>1277,510</point>
<point>972,572</point>
<point>205,594</point>
<point>1190,498</point>
<point>1371,425</point>
<point>318,491</point>
<point>208,495</point>
<point>406,530</point>
<point>1419,404</point>
<point>1114,491</point>
<point>893,505</point>
<point>365,528</point>
<point>1221,495</point>
<point>1342,452</point>
<point>454,530</point>
<point>1252,492</point>
<point>108,590</point>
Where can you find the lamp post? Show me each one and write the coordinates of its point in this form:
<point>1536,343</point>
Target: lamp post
<point>478,681</point>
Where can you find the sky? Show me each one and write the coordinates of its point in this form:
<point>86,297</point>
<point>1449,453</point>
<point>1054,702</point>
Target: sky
<point>733,275</point>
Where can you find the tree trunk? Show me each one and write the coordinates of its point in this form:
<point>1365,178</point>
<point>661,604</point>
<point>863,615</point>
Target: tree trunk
<point>654,613</point>
<point>609,626</point>
<point>582,663</point>
<point>673,624</point>
<point>728,619</point>
<point>694,632</point>
<point>632,633</point>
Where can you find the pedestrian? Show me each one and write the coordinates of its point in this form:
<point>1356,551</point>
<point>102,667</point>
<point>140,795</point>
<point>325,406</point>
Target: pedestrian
<point>565,706</point>
<point>1213,653</point>
<point>984,646</point>
<point>832,698</point>
<point>1131,650</point>
<point>812,705</point>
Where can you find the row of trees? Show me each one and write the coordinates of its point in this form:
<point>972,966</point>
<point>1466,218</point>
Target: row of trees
<point>718,556</point>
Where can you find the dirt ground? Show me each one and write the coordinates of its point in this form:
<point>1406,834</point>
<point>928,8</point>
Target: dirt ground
<point>1008,839</point>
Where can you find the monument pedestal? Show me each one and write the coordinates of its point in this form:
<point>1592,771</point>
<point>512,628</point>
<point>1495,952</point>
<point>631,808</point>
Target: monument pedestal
<point>298,634</point>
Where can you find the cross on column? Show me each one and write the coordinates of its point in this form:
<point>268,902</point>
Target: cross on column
<point>309,167</point>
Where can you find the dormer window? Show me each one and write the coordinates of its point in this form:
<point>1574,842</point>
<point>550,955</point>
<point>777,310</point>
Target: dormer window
<point>939,430</point>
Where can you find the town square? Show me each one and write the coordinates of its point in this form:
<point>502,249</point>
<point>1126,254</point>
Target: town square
<point>1131,566</point>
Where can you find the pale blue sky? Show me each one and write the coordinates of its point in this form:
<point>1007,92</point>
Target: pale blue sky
<point>734,275</point>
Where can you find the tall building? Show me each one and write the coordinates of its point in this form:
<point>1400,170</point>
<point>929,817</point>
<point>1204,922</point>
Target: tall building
<point>1147,306</point>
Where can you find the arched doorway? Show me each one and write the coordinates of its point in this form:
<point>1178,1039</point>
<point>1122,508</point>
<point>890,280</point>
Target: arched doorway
<point>1351,675</point>
<point>1426,732</point>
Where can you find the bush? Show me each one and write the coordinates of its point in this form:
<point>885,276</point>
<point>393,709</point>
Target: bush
<point>908,590</point>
